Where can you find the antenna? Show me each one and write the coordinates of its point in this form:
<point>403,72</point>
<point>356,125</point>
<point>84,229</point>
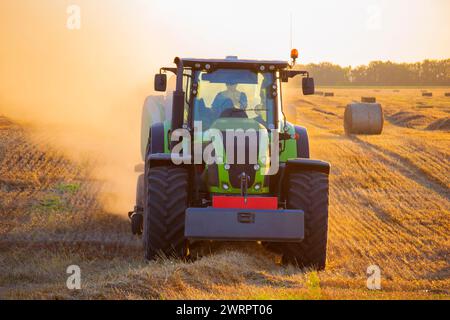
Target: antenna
<point>294,52</point>
<point>292,32</point>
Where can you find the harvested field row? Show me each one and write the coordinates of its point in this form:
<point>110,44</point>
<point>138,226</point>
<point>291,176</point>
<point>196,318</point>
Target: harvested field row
<point>389,207</point>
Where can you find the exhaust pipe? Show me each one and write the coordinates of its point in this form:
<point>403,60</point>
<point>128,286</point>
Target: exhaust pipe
<point>178,100</point>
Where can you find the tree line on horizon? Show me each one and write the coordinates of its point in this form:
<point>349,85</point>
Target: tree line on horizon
<point>381,73</point>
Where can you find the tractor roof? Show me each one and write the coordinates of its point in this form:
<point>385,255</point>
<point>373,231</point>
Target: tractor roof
<point>234,62</point>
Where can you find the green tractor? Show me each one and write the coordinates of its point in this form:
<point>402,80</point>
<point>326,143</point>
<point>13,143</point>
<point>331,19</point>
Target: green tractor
<point>200,186</point>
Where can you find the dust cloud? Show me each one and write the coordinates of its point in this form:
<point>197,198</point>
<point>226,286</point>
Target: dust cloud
<point>83,89</point>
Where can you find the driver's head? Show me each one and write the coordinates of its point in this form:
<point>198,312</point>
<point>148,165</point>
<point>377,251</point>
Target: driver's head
<point>231,86</point>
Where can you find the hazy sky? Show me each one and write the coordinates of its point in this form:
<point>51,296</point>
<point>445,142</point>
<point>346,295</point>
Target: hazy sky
<point>348,32</point>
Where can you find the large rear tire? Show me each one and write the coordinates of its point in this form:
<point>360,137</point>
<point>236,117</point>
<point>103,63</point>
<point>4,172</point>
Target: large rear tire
<point>164,213</point>
<point>308,191</point>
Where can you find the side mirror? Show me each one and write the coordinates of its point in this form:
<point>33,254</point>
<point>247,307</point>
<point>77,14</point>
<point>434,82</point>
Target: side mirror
<point>161,82</point>
<point>308,86</point>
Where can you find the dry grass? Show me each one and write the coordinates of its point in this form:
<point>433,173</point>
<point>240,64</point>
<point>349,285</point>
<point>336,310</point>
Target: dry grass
<point>389,206</point>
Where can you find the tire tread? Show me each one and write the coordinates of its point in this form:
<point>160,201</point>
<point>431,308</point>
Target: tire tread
<point>165,206</point>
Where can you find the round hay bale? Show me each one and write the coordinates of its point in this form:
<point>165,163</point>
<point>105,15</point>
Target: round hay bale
<point>364,118</point>
<point>156,109</point>
<point>427,94</point>
<point>447,94</point>
<point>368,99</point>
<point>329,94</point>
<point>319,93</point>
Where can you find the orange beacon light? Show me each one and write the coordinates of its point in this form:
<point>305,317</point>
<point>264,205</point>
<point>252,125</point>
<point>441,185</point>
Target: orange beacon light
<point>294,54</point>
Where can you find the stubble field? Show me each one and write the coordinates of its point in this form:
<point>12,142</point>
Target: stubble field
<point>389,206</point>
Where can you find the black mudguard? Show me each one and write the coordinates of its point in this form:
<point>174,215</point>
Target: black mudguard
<point>159,160</point>
<point>163,160</point>
<point>155,148</point>
<point>156,139</point>
<point>302,142</point>
<point>299,165</point>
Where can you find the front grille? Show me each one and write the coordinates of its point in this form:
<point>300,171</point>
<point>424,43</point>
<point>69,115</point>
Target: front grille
<point>236,169</point>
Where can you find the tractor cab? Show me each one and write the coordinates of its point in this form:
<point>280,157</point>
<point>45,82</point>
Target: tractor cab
<point>214,88</point>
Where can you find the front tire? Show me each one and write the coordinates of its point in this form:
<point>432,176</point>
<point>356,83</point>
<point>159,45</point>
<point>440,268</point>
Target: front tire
<point>164,214</point>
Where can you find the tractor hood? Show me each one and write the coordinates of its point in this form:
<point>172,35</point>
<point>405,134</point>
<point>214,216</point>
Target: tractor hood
<point>244,149</point>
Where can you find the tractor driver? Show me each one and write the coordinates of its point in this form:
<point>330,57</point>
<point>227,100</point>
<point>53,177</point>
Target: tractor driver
<point>231,98</point>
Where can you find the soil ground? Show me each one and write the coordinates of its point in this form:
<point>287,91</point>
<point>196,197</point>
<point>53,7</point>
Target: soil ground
<point>389,206</point>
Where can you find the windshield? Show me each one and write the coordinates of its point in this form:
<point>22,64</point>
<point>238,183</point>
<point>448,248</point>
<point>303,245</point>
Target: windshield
<point>233,93</point>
